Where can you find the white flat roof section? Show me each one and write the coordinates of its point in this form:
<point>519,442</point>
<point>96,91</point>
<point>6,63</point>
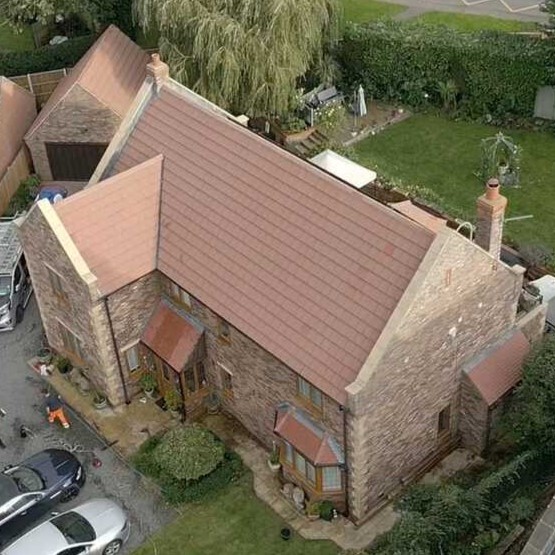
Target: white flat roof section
<point>343,168</point>
<point>546,287</point>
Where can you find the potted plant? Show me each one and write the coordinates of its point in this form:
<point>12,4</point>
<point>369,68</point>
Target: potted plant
<point>44,356</point>
<point>99,400</point>
<point>313,510</point>
<point>273,460</point>
<point>173,402</point>
<point>326,510</point>
<point>148,384</point>
<point>64,366</point>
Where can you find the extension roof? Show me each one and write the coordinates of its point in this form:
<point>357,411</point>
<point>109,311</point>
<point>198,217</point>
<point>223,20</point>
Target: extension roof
<point>17,112</point>
<point>300,262</point>
<point>112,70</point>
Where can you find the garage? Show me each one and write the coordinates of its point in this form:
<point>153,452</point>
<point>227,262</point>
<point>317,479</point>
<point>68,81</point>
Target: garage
<point>74,161</point>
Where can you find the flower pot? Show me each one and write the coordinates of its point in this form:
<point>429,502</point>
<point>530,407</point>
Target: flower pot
<point>285,534</point>
<point>44,356</point>
<point>274,467</point>
<point>150,393</point>
<point>175,414</point>
<point>100,403</point>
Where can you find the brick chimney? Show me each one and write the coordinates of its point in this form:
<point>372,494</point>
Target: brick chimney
<point>157,70</point>
<point>490,209</point>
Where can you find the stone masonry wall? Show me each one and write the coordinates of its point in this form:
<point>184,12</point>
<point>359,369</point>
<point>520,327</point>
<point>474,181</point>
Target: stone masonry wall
<point>260,381</point>
<point>474,417</point>
<point>76,310</point>
<point>79,118</point>
<point>465,302</point>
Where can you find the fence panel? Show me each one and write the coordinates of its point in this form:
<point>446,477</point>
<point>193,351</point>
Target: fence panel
<point>16,172</point>
<point>41,84</point>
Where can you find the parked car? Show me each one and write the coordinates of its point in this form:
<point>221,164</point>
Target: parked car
<point>54,193</point>
<point>50,475</point>
<point>97,527</point>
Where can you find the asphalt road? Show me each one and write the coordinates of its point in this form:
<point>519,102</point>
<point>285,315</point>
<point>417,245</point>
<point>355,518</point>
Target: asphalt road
<point>21,399</point>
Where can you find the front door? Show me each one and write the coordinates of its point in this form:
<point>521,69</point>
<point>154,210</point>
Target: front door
<point>166,377</point>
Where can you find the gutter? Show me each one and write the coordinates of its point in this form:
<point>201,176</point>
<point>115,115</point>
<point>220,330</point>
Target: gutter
<point>120,367</point>
<point>344,410</point>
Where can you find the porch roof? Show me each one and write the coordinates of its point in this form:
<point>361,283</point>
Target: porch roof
<point>171,336</point>
<point>499,368</point>
<point>307,436</point>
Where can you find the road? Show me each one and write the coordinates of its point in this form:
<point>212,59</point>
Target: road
<point>21,399</point>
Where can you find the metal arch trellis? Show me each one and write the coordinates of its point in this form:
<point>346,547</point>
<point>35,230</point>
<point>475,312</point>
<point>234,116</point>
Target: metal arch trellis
<point>501,159</point>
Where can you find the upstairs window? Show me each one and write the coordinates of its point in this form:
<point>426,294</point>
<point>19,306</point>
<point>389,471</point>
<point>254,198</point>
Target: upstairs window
<point>57,284</point>
<point>223,330</point>
<point>180,296</point>
<point>227,380</point>
<point>309,393</point>
<point>71,343</point>
<point>444,421</point>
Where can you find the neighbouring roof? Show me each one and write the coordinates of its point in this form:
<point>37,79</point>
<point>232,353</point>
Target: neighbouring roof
<point>298,261</point>
<point>112,70</point>
<point>356,175</point>
<point>115,224</point>
<point>306,436</point>
<point>419,215</point>
<point>171,336</point>
<point>17,112</point>
<point>499,368</point>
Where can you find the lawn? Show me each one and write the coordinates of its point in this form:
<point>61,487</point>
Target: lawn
<point>361,11</point>
<point>234,522</point>
<point>466,22</point>
<point>11,40</point>
<point>442,155</point>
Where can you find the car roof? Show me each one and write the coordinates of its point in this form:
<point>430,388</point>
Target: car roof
<point>45,539</point>
<point>103,514</point>
<point>8,489</point>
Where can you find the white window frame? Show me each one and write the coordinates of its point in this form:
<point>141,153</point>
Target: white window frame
<point>125,352</point>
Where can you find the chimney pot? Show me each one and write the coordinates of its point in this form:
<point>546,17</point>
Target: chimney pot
<point>157,70</point>
<point>492,189</point>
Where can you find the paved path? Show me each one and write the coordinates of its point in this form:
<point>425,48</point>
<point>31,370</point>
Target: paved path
<point>20,397</point>
<point>523,10</point>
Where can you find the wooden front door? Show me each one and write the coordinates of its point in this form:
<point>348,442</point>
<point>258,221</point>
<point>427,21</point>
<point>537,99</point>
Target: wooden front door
<point>74,161</point>
<point>166,377</point>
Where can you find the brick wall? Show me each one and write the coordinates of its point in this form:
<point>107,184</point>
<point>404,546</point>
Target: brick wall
<point>474,417</point>
<point>394,408</point>
<point>79,118</point>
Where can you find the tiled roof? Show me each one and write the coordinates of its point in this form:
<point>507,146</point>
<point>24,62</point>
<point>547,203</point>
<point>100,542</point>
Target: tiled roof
<point>112,70</point>
<point>500,368</point>
<point>297,260</point>
<point>306,436</point>
<point>115,224</point>
<point>17,112</point>
<point>171,336</point>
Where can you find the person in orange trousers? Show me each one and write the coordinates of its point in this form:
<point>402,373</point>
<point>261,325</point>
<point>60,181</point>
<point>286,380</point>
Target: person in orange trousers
<point>55,409</point>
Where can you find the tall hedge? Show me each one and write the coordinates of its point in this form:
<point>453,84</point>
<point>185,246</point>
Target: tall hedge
<point>46,58</point>
<point>495,73</point>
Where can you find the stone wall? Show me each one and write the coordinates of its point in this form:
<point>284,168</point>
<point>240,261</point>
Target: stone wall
<point>474,422</point>
<point>79,118</point>
<point>465,300</point>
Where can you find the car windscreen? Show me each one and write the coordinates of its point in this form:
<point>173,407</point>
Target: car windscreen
<point>26,479</point>
<point>8,489</point>
<point>5,286</point>
<point>74,527</point>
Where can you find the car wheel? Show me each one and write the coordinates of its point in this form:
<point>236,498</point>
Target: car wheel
<point>18,314</point>
<point>112,548</point>
<point>70,493</point>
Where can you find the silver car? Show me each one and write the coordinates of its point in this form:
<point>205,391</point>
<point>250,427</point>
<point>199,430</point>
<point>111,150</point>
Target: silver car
<point>97,527</point>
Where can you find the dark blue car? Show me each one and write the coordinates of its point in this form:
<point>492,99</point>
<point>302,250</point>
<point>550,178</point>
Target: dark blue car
<point>49,476</point>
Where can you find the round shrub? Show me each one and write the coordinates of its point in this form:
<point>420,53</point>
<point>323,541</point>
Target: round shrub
<point>189,453</point>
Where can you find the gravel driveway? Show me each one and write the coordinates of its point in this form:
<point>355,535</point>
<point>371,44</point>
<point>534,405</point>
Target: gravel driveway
<point>21,399</point>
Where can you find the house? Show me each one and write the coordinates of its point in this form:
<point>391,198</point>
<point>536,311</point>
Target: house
<point>331,325</point>
<point>80,118</point>
<point>17,112</point>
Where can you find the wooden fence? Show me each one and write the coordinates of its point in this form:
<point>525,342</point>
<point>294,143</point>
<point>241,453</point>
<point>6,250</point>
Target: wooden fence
<point>19,169</point>
<point>41,84</point>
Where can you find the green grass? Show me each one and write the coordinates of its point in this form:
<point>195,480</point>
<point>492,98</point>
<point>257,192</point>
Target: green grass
<point>442,155</point>
<point>361,11</point>
<point>235,522</point>
<point>466,22</point>
<point>11,40</point>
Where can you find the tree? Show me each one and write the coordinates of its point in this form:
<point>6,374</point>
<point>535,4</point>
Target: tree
<point>247,56</point>
<point>189,453</point>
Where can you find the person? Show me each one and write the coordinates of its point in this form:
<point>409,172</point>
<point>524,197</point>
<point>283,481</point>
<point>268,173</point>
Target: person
<point>55,409</point>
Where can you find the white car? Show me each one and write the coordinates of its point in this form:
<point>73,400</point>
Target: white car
<point>97,527</point>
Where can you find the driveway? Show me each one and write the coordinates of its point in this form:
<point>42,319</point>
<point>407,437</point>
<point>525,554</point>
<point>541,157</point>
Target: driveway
<point>21,399</point>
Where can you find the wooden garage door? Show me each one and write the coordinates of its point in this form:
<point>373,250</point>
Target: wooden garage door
<point>74,161</point>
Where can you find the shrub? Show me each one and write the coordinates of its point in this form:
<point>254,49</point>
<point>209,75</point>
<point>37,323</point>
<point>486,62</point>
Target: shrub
<point>189,453</point>
<point>147,382</point>
<point>24,196</point>
<point>144,460</point>
<point>46,58</point>
<point>488,74</point>
<point>326,510</point>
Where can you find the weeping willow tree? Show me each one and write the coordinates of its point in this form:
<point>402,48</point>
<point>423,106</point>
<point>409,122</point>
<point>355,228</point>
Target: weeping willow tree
<point>247,56</point>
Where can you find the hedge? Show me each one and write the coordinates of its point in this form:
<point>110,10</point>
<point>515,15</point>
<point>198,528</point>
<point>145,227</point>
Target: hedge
<point>46,58</point>
<point>494,73</point>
